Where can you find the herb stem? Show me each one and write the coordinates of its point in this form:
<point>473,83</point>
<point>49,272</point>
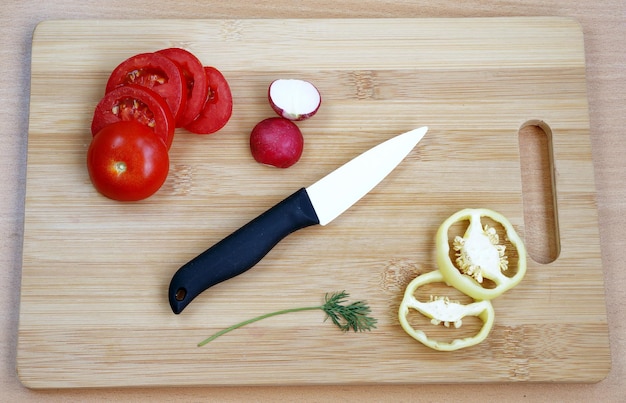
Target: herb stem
<point>256,319</point>
<point>354,316</point>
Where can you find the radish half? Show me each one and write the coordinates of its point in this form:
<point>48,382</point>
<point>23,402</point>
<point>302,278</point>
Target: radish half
<point>294,99</point>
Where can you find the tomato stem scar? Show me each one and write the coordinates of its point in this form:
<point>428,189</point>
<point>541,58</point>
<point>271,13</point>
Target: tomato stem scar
<point>120,167</point>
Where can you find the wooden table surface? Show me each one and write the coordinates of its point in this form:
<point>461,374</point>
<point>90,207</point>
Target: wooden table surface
<point>604,26</point>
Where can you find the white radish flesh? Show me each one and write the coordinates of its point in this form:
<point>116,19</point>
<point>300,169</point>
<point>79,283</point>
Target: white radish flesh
<point>294,99</point>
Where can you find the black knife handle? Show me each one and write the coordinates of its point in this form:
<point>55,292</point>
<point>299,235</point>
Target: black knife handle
<point>241,250</point>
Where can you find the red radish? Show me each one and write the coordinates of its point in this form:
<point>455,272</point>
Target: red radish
<point>277,142</point>
<point>294,99</point>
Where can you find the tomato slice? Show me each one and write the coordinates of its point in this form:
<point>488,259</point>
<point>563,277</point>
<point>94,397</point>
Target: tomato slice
<point>218,106</point>
<point>135,103</point>
<point>156,72</point>
<point>195,80</point>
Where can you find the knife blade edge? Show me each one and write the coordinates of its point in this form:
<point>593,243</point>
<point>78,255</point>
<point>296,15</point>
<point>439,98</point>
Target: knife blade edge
<point>329,195</point>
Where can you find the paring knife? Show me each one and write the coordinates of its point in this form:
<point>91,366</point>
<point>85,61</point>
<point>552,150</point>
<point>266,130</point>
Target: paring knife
<point>319,203</point>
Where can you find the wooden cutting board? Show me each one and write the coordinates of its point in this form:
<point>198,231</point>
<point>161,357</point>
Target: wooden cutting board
<point>94,308</point>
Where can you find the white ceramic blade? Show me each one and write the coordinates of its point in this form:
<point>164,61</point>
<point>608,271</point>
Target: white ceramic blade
<point>340,189</point>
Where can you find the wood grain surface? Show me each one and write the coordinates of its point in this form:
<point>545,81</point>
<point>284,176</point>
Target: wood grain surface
<point>94,309</point>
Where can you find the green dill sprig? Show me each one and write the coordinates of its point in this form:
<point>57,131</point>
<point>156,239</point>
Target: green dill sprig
<point>354,316</point>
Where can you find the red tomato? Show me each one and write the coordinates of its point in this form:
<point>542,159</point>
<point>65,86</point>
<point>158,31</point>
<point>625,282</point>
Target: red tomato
<point>154,71</point>
<point>195,79</point>
<point>127,162</point>
<point>218,107</point>
<point>135,103</point>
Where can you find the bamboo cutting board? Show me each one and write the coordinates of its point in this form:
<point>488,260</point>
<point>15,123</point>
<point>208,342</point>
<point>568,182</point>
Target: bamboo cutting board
<point>94,308</point>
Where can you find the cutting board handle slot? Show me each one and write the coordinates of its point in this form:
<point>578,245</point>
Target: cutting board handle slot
<point>539,192</point>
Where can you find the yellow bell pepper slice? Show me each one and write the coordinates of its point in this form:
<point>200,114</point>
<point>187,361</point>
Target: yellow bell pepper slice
<point>443,311</point>
<point>479,255</point>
